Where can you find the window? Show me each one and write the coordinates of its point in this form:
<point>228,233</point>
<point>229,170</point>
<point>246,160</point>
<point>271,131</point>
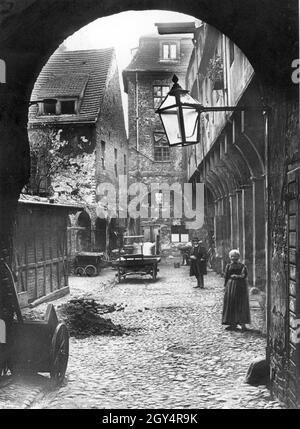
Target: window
<point>159,198</point>
<point>194,192</point>
<point>159,93</point>
<point>103,154</point>
<point>231,52</point>
<point>116,162</point>
<point>49,107</point>
<point>68,107</point>
<point>179,234</point>
<point>161,147</point>
<point>169,51</point>
<point>125,165</point>
<point>57,107</point>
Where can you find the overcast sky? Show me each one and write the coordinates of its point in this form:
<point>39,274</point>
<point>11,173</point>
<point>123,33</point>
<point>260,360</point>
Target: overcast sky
<point>121,31</point>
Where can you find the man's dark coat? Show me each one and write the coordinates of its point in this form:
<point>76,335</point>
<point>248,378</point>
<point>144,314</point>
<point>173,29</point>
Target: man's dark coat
<point>198,266</point>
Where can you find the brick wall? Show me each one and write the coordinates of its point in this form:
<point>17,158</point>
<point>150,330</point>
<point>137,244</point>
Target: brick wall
<point>142,165</point>
<point>284,297</point>
<point>110,128</point>
<point>148,121</point>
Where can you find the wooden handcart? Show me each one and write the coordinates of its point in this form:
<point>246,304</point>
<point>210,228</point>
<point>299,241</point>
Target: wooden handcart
<point>33,346</point>
<point>88,263</point>
<point>136,263</point>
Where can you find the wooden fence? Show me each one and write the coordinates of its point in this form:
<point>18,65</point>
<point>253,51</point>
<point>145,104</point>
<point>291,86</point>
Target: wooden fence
<point>40,250</point>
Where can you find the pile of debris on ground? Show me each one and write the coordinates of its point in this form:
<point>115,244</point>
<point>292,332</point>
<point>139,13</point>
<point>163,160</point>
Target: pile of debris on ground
<point>83,318</point>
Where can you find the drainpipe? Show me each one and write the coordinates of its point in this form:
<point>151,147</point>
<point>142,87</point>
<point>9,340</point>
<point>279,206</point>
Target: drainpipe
<point>137,110</point>
<point>137,227</point>
<point>226,80</point>
<point>195,43</point>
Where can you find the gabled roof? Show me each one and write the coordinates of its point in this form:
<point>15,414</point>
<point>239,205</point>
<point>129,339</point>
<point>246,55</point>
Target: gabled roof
<point>148,55</point>
<point>65,85</point>
<point>73,74</point>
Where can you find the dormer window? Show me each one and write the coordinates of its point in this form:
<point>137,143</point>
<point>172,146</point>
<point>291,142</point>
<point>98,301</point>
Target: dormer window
<point>169,51</point>
<point>49,107</point>
<point>68,107</point>
<point>58,107</point>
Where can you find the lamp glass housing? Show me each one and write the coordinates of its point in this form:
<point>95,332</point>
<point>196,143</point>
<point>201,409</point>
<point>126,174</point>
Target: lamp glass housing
<point>179,113</point>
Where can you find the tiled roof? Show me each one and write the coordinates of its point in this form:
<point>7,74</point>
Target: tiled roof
<point>147,57</point>
<point>71,73</point>
<point>69,85</point>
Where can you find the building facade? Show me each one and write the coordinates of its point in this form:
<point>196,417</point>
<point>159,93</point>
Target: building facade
<point>267,32</point>
<point>251,193</point>
<point>147,80</point>
<point>230,158</point>
<point>77,111</point>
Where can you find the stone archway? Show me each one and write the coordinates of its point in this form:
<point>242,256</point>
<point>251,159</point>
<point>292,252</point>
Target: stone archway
<point>84,233</point>
<point>100,235</point>
<point>31,31</point>
<point>265,30</point>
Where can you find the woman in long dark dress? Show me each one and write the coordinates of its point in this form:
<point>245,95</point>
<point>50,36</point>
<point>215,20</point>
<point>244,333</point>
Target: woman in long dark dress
<point>236,309</point>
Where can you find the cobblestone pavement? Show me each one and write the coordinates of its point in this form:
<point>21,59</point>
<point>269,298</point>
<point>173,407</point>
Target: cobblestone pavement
<point>21,392</point>
<point>177,354</point>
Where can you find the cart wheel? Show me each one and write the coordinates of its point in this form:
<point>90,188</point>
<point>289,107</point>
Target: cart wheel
<point>154,274</point>
<point>91,270</point>
<point>59,354</point>
<point>80,271</point>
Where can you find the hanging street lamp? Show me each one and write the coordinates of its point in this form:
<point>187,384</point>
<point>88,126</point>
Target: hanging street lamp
<point>180,115</point>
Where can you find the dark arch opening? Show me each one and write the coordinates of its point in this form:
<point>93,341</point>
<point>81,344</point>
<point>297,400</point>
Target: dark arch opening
<point>100,235</point>
<point>25,54</point>
<point>84,233</point>
<point>30,34</point>
<point>57,20</point>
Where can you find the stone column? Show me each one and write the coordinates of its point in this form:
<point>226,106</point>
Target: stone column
<point>233,221</point>
<point>226,229</point>
<point>218,234</point>
<point>222,233</point>
<point>228,220</point>
<point>258,228</point>
<point>239,222</point>
<point>247,243</point>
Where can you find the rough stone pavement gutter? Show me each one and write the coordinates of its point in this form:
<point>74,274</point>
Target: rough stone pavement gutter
<point>21,393</point>
<point>36,393</point>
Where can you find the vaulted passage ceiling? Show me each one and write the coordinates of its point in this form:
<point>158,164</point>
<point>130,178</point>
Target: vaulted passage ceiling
<point>265,30</point>
<point>31,30</point>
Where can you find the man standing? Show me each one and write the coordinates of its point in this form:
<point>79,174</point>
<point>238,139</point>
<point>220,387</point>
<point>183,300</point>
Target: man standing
<point>198,258</point>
